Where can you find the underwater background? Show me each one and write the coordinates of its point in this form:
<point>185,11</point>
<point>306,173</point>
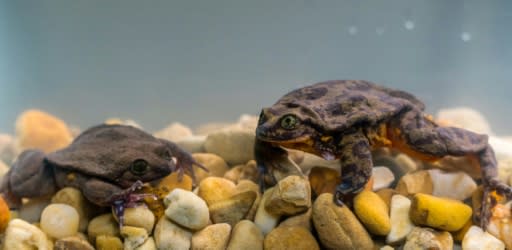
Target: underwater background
<point>199,61</point>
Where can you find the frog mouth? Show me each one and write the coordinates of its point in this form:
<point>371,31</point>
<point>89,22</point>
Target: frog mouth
<point>297,140</point>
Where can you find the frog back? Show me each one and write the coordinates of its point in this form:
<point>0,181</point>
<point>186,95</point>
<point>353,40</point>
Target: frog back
<point>104,151</point>
<point>341,104</point>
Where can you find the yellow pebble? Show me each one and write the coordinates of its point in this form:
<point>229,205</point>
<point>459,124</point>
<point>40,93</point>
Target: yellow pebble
<point>373,212</point>
<point>441,213</point>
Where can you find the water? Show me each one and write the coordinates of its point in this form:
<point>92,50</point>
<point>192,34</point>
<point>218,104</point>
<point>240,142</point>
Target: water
<point>201,61</point>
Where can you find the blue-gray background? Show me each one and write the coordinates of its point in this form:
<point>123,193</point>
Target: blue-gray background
<point>197,61</point>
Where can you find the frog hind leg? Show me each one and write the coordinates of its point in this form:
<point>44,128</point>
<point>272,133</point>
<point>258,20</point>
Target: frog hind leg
<point>28,177</point>
<point>356,166</point>
<point>416,135</point>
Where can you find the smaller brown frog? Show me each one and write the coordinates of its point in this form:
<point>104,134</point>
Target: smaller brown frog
<point>106,162</point>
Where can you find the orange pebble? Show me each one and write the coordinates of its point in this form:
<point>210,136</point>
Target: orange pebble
<point>5,215</point>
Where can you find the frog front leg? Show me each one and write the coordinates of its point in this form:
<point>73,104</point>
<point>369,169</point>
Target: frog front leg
<point>356,165</point>
<point>28,177</point>
<point>273,163</point>
<point>107,194</point>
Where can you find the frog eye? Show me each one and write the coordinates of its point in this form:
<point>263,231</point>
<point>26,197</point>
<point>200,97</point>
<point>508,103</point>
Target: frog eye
<point>139,167</point>
<point>289,122</point>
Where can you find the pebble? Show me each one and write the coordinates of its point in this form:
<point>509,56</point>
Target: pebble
<point>500,224</point>
<point>31,210</point>
<point>108,242</point>
<point>476,238</point>
<point>382,178</point>
<point>323,180</point>
<point>402,164</point>
<point>72,242</point>
<point>174,132</point>
<point>505,169</point>
<point>119,121</point>
<point>216,165</point>
<point>186,209</point>
<point>428,238</point>
<point>23,235</point>
<point>246,235</point>
<point>59,220</point>
<point>139,216</point>
<point>5,215</point>
<point>455,185</point>
<point>3,169</point>
<point>373,212</point>
<point>291,195</point>
<point>104,224</point>
<point>401,224</point>
<point>149,244</point>
<point>214,189</point>
<point>212,237</point>
<point>247,185</point>
<point>8,150</point>
<point>299,220</point>
<point>464,117</point>
<point>170,236</point>
<point>263,219</point>
<point>73,197</point>
<point>234,209</point>
<point>36,129</point>
<point>247,171</point>
<point>192,144</point>
<point>416,182</point>
<point>290,237</point>
<point>440,213</point>
<point>502,147</point>
<point>235,146</point>
<point>133,237</point>
<point>310,161</point>
<point>385,194</point>
<point>171,182</point>
<point>338,227</point>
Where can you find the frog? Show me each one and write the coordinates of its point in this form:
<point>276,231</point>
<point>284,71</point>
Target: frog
<point>346,119</point>
<point>108,163</point>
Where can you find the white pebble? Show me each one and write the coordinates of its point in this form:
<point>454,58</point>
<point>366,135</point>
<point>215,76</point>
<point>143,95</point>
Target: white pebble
<point>454,185</point>
<point>23,235</point>
<point>187,209</point>
<point>476,238</point>
<point>263,219</point>
<point>59,220</point>
<point>401,225</point>
<point>382,177</point>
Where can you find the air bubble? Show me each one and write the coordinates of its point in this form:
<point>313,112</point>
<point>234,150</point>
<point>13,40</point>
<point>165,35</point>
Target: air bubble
<point>352,30</point>
<point>465,36</point>
<point>379,31</point>
<point>409,25</point>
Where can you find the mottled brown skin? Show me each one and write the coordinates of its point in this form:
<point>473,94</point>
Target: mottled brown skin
<point>100,162</point>
<point>346,119</point>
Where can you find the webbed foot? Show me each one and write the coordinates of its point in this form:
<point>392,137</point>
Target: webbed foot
<point>491,195</point>
<point>128,198</point>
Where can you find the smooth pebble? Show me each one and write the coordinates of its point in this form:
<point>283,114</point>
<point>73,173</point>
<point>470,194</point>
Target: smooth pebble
<point>59,220</point>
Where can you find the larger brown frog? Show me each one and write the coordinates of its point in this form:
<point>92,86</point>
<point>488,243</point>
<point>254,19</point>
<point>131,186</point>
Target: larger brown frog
<point>106,162</point>
<point>346,119</point>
